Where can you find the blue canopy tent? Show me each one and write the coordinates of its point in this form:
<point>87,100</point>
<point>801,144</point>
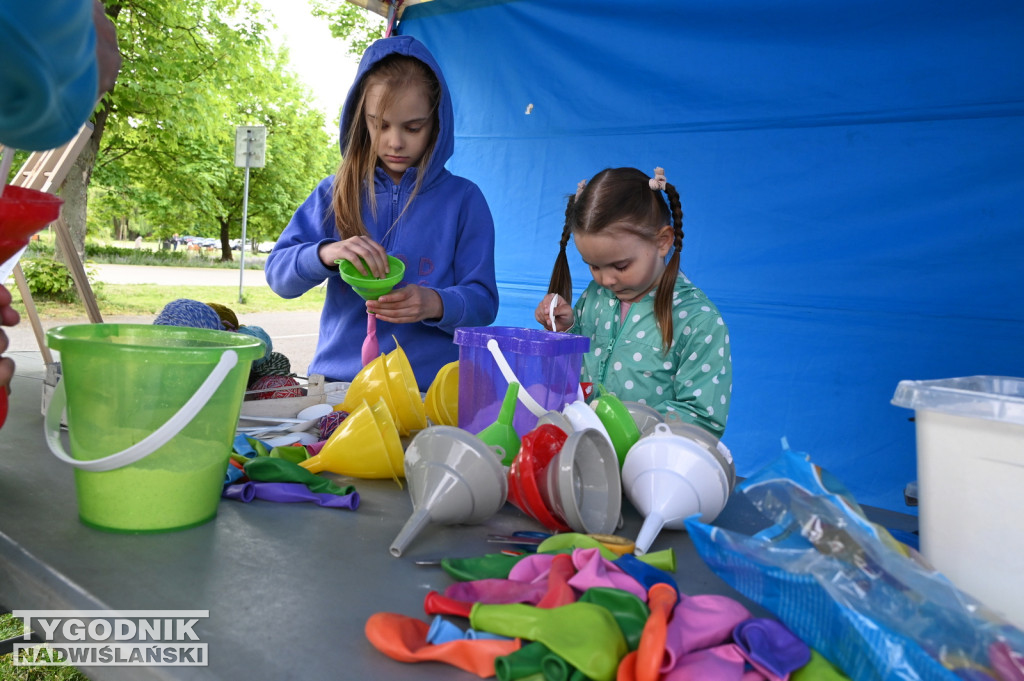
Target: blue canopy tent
<point>851,175</point>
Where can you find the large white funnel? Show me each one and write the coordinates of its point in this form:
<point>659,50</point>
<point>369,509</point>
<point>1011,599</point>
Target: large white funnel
<point>453,478</point>
<point>669,477</point>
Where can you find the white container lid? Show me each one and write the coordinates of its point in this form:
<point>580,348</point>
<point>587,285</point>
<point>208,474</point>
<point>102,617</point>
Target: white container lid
<point>995,398</point>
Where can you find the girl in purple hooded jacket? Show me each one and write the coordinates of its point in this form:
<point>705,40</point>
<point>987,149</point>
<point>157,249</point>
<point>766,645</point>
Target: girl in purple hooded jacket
<point>392,195</point>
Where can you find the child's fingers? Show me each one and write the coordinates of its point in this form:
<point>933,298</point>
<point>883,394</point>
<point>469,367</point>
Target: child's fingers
<point>541,313</point>
<point>366,255</point>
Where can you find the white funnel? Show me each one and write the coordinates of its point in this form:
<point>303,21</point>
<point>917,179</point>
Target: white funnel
<point>670,477</point>
<point>453,478</point>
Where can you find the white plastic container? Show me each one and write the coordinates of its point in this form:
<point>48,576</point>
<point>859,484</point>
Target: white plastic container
<point>970,474</point>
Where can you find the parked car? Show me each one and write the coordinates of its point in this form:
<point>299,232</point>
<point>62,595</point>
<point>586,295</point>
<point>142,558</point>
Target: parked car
<point>267,246</point>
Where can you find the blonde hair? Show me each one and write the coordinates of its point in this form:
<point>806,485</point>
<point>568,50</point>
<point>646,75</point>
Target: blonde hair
<point>623,197</point>
<point>354,179</point>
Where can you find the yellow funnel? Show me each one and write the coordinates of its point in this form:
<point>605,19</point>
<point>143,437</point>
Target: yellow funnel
<point>363,446</point>
<point>371,384</point>
<point>404,391</point>
<point>392,443</point>
<point>442,402</point>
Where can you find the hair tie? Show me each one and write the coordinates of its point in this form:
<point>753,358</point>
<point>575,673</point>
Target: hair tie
<point>580,186</point>
<point>658,182</point>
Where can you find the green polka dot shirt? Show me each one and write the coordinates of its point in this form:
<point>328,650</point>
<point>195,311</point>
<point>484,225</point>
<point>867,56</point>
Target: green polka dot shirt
<point>694,379</point>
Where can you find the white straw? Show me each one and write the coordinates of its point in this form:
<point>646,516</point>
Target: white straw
<point>5,167</point>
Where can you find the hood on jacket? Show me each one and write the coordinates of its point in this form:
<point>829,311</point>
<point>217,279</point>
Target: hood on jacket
<point>409,46</point>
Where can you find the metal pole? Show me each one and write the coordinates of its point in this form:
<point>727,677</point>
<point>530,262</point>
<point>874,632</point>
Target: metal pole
<point>245,213</point>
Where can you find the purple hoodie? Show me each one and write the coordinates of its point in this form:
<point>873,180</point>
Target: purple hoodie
<point>445,239</point>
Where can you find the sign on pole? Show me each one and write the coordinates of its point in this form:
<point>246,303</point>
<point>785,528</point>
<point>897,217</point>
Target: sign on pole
<point>250,152</point>
<point>250,146</point>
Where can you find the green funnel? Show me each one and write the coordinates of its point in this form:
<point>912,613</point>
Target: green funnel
<point>501,434</point>
<point>368,286</point>
<point>617,420</point>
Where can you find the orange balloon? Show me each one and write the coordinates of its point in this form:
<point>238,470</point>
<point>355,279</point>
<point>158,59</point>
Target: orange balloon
<point>405,639</point>
<point>661,598</point>
<point>627,668</point>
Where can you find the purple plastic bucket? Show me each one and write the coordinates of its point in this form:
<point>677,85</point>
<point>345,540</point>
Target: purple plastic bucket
<point>547,364</point>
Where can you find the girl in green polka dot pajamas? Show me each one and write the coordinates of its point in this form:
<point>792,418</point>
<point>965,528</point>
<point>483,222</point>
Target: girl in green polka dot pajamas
<point>655,338</point>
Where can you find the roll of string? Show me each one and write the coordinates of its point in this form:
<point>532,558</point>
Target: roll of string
<point>190,313</point>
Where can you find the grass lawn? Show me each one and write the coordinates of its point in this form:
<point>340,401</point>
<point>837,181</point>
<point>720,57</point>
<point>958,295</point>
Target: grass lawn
<point>149,299</point>
<point>11,626</point>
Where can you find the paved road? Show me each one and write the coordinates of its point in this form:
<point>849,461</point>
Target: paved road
<point>292,333</point>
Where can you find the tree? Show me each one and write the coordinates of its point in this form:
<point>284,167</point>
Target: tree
<point>163,142</point>
<point>356,25</point>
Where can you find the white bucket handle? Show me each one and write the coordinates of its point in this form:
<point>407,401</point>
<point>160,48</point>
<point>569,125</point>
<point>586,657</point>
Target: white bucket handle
<point>510,376</point>
<point>152,442</point>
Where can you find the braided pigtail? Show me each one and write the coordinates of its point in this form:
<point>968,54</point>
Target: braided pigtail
<point>667,284</point>
<point>561,277</point>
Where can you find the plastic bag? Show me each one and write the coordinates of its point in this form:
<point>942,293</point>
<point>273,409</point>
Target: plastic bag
<point>869,604</point>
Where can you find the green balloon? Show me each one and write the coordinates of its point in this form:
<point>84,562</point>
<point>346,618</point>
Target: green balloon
<point>597,654</point>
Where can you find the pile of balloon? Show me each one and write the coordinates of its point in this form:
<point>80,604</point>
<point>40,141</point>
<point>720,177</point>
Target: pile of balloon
<point>575,609</point>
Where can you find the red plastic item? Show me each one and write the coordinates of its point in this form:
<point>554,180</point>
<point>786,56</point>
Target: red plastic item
<point>438,604</point>
<point>405,639</point>
<point>23,212</point>
<point>537,449</point>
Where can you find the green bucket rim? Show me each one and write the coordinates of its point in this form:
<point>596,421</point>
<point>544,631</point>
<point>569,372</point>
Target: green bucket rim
<point>146,338</point>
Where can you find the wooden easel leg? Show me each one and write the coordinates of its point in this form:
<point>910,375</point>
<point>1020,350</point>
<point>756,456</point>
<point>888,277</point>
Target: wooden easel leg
<point>33,315</point>
<point>77,270</point>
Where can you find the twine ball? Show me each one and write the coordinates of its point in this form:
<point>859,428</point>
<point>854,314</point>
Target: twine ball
<point>274,387</point>
<point>191,313</point>
<point>228,319</point>
<point>257,332</point>
<point>275,364</point>
<point>329,422</point>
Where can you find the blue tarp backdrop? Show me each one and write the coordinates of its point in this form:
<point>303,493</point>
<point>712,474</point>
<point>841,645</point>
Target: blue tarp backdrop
<point>852,177</point>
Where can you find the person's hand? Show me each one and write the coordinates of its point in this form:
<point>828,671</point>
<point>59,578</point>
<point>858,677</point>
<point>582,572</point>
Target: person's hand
<point>361,251</point>
<point>564,317</point>
<point>108,58</point>
<point>8,317</point>
<point>408,304</point>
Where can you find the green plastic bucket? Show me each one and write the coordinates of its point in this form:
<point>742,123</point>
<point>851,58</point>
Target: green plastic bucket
<point>151,414</point>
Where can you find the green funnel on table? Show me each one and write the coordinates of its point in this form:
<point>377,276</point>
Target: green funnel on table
<point>501,434</point>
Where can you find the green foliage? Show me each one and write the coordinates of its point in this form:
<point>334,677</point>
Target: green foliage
<point>40,248</point>
<point>118,255</point>
<point>49,279</point>
<point>193,72</point>
<point>353,23</point>
<point>131,256</point>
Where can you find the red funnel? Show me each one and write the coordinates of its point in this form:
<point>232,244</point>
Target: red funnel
<point>537,449</point>
<point>23,212</point>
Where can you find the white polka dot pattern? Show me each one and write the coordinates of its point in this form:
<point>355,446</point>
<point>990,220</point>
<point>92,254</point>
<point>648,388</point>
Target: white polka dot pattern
<point>693,378</point>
